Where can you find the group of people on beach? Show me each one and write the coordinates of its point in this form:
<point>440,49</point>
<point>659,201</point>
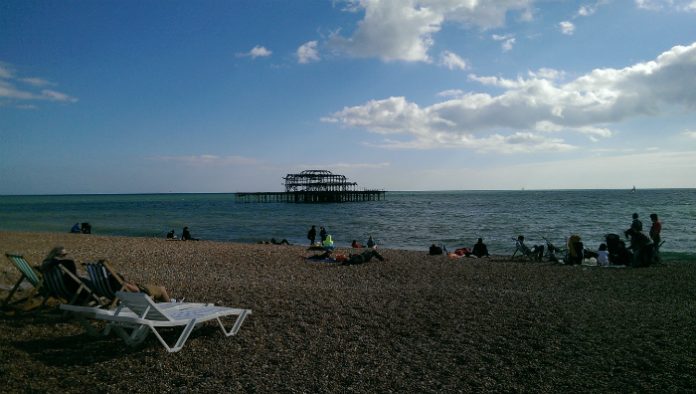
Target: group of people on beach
<point>643,250</point>
<point>185,235</point>
<point>326,245</point>
<point>81,228</point>
<point>479,250</point>
<point>58,256</point>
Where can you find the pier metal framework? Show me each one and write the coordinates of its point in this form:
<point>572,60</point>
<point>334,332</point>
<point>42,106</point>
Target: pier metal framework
<point>315,186</point>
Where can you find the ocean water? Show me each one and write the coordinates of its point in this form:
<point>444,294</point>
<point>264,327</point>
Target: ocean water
<point>405,220</point>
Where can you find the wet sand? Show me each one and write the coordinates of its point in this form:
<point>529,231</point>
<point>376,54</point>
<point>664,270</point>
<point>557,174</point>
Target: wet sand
<point>414,323</point>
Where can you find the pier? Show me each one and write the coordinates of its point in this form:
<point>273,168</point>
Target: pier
<point>315,186</point>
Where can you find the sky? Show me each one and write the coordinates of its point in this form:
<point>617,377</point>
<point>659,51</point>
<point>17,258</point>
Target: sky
<point>230,96</point>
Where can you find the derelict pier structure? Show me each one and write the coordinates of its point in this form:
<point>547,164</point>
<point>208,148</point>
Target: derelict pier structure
<point>315,186</point>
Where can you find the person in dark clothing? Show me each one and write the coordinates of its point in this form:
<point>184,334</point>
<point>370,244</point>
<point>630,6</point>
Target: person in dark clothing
<point>636,227</point>
<point>186,235</point>
<point>312,235</point>
<point>322,234</point>
<point>86,228</point>
<point>364,257</point>
<point>58,256</point>
<point>171,235</point>
<point>655,230</point>
<point>480,249</point>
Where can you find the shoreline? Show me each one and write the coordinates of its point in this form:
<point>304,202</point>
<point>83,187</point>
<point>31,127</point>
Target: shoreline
<point>412,323</point>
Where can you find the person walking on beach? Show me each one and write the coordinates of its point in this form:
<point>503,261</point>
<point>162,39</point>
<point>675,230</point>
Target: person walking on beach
<point>312,235</point>
<point>322,234</point>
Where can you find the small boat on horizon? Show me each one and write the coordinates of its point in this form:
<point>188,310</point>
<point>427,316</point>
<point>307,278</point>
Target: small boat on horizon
<point>634,189</point>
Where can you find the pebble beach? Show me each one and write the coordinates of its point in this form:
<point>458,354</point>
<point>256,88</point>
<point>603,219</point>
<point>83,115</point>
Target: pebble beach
<point>413,323</point>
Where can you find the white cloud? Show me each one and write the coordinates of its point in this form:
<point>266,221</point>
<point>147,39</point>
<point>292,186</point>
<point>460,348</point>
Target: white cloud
<point>567,27</point>
<point>451,93</point>
<point>39,82</point>
<point>256,51</point>
<point>404,29</point>
<point>508,40</point>
<point>452,61</point>
<point>674,5</point>
<point>345,166</point>
<point>533,114</point>
<point>690,133</point>
<point>15,95</point>
<point>307,52</point>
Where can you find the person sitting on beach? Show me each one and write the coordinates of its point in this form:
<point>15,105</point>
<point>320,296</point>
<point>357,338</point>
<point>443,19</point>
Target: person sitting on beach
<point>75,228</point>
<point>171,235</point>
<point>603,255</point>
<point>576,250</point>
<point>480,249</point>
<point>355,245</point>
<point>328,242</point>
<point>371,243</point>
<point>86,228</point>
<point>186,235</point>
<point>58,256</point>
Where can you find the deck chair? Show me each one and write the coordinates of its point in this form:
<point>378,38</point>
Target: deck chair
<point>525,251</point>
<point>99,274</point>
<point>28,274</point>
<point>54,282</point>
<point>138,315</point>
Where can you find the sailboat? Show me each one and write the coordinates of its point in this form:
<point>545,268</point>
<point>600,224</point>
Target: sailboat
<point>634,189</point>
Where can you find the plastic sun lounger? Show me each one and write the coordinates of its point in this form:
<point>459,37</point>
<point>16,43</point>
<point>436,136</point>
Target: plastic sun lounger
<point>137,315</point>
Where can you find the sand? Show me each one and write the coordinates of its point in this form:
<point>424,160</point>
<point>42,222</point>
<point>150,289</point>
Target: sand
<point>414,323</point>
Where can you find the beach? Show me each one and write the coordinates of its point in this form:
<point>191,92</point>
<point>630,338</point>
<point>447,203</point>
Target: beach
<point>413,323</point>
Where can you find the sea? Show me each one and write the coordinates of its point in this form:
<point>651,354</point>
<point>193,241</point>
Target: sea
<point>403,220</point>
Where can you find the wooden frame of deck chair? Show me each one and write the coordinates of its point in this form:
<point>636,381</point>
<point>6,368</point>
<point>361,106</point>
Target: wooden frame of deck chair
<point>54,281</point>
<point>523,249</point>
<point>30,275</point>
<point>99,273</point>
<point>138,315</point>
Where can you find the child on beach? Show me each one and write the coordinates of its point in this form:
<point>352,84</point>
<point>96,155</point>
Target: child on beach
<point>603,255</point>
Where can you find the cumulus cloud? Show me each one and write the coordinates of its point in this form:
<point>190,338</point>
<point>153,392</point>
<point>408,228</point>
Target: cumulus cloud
<point>452,61</point>
<point>17,95</point>
<point>256,51</point>
<point>690,133</point>
<point>567,27</point>
<point>404,29</point>
<point>507,41</point>
<point>675,5</point>
<point>307,52</point>
<point>534,113</point>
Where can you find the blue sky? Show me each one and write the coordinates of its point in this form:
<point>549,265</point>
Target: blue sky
<point>229,96</point>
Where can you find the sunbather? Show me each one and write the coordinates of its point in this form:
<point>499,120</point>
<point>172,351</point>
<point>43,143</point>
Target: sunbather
<point>156,292</point>
<point>58,256</point>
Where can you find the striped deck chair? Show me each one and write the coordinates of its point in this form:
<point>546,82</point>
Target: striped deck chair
<point>28,274</point>
<point>138,315</point>
<point>99,273</point>
<point>54,282</point>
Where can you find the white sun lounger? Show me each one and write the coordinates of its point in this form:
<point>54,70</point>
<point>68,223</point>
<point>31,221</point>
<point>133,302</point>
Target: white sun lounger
<point>137,315</point>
